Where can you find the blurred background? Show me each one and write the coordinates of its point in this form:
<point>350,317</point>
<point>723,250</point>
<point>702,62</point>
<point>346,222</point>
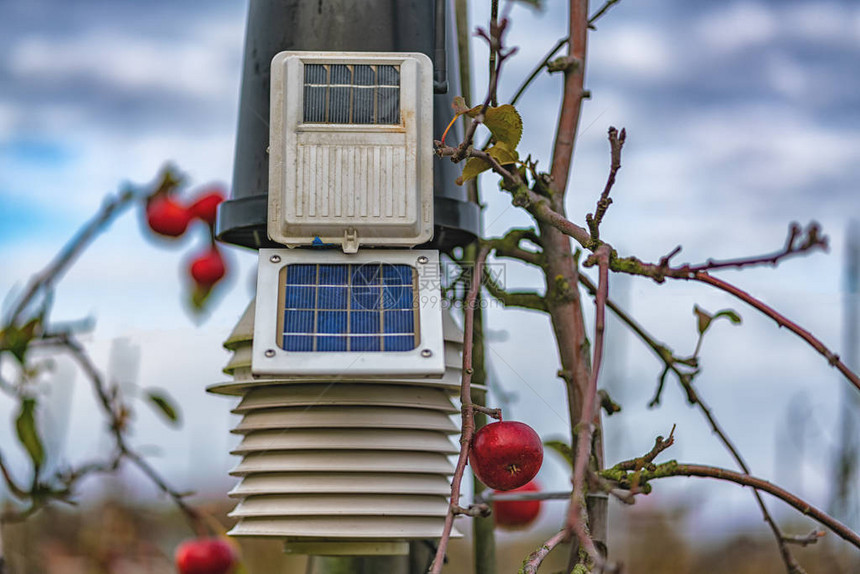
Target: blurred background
<point>741,117</point>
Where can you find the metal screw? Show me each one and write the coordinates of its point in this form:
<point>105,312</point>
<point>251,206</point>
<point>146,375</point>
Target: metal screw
<point>270,352</point>
<point>275,258</point>
<point>426,353</point>
<point>423,259</point>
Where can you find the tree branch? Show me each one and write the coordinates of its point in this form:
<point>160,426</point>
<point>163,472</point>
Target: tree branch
<point>509,246</point>
<point>467,410</point>
<point>522,299</point>
<point>537,70</point>
<point>571,104</point>
<point>589,413</point>
<point>832,358</point>
<point>673,468</point>
<point>110,209</point>
<point>603,10</point>
<point>116,414</point>
<point>659,272</point>
<point>685,379</point>
<point>616,142</point>
<point>536,558</point>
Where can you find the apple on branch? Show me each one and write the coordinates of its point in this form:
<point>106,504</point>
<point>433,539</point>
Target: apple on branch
<point>506,454</point>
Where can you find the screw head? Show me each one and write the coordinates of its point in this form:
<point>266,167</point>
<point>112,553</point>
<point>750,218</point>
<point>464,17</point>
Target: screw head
<point>423,259</point>
<point>275,258</point>
<point>426,353</point>
<point>269,353</point>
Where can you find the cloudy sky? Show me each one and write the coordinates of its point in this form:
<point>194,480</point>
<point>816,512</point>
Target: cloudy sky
<point>741,117</point>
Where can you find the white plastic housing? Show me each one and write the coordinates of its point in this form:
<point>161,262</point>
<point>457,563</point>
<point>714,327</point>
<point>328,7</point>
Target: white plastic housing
<point>426,359</point>
<point>348,467</point>
<point>335,181</point>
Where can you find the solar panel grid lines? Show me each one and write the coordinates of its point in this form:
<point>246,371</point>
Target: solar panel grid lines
<point>349,307</point>
<point>352,93</point>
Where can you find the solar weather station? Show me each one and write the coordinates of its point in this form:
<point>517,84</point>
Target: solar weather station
<point>347,358</point>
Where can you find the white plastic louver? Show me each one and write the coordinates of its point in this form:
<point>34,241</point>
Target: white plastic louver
<point>350,160</point>
<point>342,467</point>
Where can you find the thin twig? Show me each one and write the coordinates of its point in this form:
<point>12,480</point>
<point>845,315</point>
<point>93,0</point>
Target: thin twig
<point>537,70</point>
<point>467,410</point>
<point>494,71</point>
<point>509,246</point>
<point>798,241</point>
<point>781,320</point>
<point>536,558</point>
<point>603,10</point>
<point>616,142</point>
<point>117,426</point>
<point>791,564</point>
<point>640,462</point>
<point>589,412</point>
<point>673,468</point>
<point>552,52</point>
<point>521,299</point>
<point>807,539</point>
<point>110,209</point>
<point>539,207</point>
<point>494,39</point>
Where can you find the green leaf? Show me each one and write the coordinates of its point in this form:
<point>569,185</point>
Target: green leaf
<point>730,315</point>
<point>561,448</point>
<point>503,153</point>
<point>474,166</point>
<point>16,339</point>
<point>504,122</point>
<point>704,319</point>
<point>28,435</point>
<point>164,405</point>
<point>506,125</point>
<point>459,105</point>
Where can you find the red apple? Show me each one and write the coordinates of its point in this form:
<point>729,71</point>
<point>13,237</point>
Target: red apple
<point>506,454</point>
<point>205,556</point>
<point>517,514</point>
<point>205,207</point>
<point>166,217</point>
<point>208,268</point>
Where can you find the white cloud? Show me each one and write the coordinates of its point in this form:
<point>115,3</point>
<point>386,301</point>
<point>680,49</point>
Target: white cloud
<point>196,66</point>
<point>736,27</point>
<point>788,77</point>
<point>635,50</point>
<point>772,148</point>
<point>819,22</point>
<point>746,25</point>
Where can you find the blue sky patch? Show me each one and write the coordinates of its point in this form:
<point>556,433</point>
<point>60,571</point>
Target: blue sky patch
<point>34,151</point>
<point>21,219</point>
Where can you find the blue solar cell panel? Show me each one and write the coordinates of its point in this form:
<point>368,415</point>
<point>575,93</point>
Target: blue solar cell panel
<point>349,307</point>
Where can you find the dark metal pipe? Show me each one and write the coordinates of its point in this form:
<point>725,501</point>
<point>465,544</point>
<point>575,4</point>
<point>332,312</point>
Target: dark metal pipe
<point>333,25</point>
<point>440,51</point>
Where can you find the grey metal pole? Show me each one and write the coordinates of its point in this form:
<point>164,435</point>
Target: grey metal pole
<point>332,25</point>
